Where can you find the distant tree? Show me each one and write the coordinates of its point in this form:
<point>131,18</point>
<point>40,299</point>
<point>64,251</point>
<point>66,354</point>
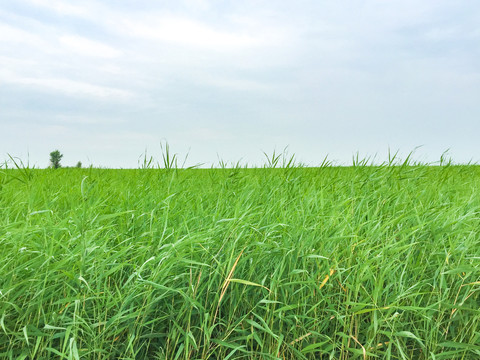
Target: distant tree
<point>55,157</point>
<point>79,164</point>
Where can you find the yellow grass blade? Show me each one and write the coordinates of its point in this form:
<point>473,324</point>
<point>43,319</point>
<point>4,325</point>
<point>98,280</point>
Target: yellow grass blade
<point>332,271</point>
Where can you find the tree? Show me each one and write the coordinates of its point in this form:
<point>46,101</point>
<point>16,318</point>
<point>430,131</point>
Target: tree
<point>79,164</point>
<point>55,157</point>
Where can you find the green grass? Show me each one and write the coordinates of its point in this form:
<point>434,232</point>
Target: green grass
<point>286,263</point>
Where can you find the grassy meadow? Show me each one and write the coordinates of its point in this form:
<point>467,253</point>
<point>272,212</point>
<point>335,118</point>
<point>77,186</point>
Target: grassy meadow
<point>361,262</point>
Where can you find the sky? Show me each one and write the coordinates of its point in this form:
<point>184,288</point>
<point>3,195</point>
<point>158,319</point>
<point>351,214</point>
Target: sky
<point>107,81</point>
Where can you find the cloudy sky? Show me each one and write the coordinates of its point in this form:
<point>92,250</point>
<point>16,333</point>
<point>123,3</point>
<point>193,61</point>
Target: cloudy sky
<point>103,81</point>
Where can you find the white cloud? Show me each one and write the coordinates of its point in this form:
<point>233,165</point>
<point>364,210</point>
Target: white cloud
<point>73,119</point>
<point>234,83</point>
<point>157,25</point>
<point>87,47</point>
<point>184,31</point>
<point>68,87</point>
<point>15,35</point>
<point>62,7</point>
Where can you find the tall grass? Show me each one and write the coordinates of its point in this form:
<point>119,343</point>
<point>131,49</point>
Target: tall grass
<point>234,263</point>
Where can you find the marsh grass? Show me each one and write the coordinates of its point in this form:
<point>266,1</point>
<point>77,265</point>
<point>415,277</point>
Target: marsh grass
<point>233,263</point>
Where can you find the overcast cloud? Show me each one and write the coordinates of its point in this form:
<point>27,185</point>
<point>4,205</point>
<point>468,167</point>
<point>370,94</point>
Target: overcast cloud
<point>103,81</point>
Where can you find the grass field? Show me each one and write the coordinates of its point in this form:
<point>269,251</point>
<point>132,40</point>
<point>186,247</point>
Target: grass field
<point>286,263</point>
